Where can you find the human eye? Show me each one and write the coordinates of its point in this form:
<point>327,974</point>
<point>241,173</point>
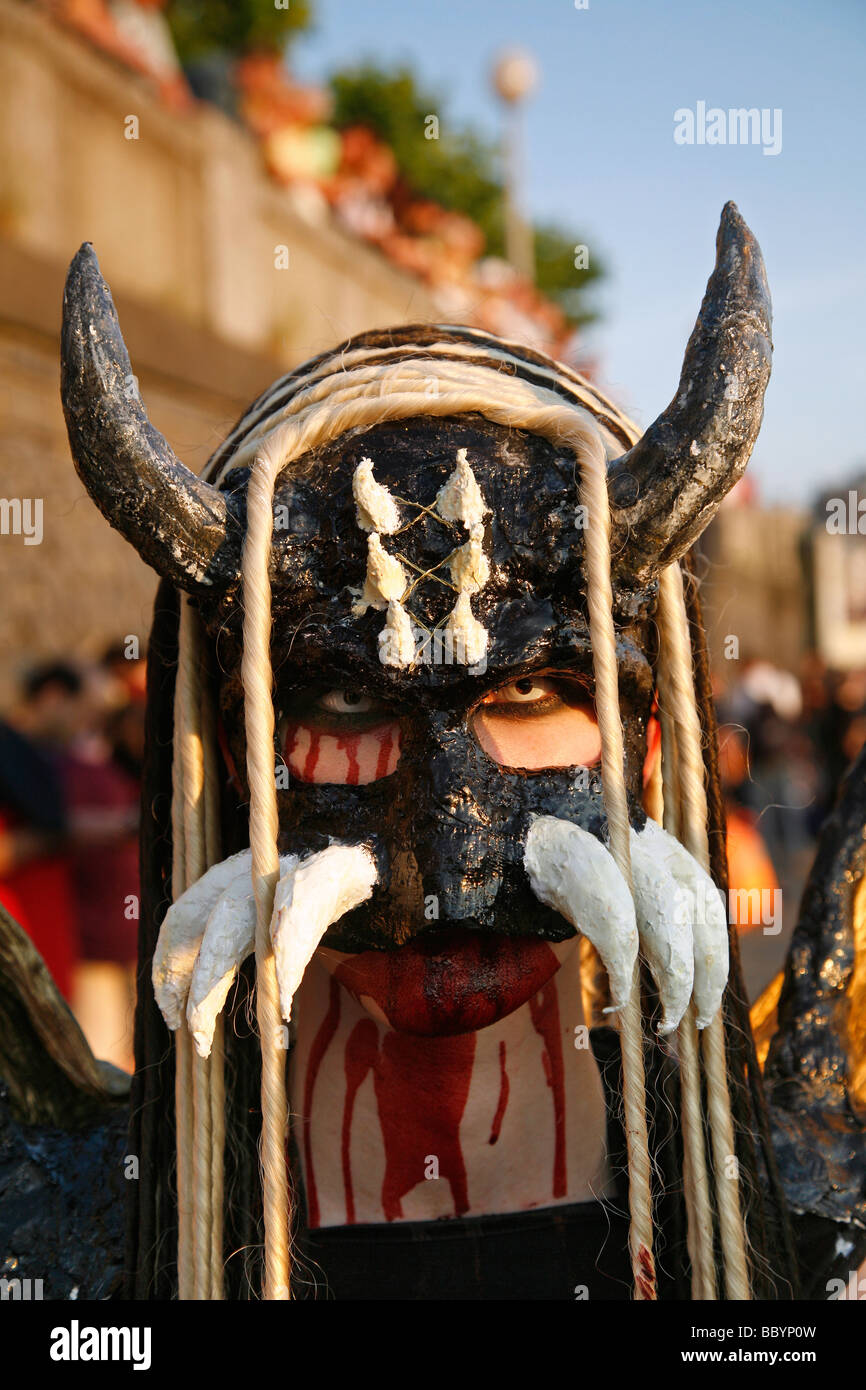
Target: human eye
<point>339,735</point>
<point>539,721</point>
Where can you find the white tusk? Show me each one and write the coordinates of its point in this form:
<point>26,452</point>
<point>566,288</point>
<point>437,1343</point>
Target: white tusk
<point>229,937</point>
<point>709,920</point>
<point>572,872</point>
<point>308,900</point>
<point>664,922</point>
<point>182,930</point>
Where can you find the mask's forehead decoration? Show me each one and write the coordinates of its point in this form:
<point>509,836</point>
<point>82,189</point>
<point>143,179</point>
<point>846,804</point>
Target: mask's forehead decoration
<point>387,584</point>
<point>416,490</point>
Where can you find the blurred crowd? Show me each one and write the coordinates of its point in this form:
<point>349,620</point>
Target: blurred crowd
<point>785,742</point>
<point>71,752</point>
<point>348,177</point>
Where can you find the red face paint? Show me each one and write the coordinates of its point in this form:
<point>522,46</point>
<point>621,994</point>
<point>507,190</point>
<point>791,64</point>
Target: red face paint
<point>342,759</point>
<point>450,983</point>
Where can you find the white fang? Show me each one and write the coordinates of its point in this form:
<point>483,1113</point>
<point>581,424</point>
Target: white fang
<point>664,912</point>
<point>707,917</point>
<point>183,928</point>
<point>309,898</point>
<point>572,872</point>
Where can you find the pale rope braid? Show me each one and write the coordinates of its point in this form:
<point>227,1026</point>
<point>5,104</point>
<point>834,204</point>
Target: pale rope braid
<point>326,382</point>
<point>594,496</point>
<point>264,826</point>
<point>213,855</point>
<point>696,1181</point>
<point>195,854</point>
<point>399,392</point>
<point>275,406</point>
<point>693,800</point>
<point>183,1098</point>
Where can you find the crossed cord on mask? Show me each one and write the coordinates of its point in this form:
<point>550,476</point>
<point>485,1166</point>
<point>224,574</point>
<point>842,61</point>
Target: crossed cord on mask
<point>371,400</point>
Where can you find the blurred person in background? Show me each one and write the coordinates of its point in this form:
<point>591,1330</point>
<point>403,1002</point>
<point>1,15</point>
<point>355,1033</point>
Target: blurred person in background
<point>35,874</point>
<point>749,864</point>
<point>773,786</point>
<point>102,782</point>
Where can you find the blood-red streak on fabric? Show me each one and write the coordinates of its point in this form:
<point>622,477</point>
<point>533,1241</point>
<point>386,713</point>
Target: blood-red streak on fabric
<point>362,1050</point>
<point>504,1088</point>
<point>544,1010</point>
<point>348,743</point>
<point>421,1088</point>
<point>321,1042</point>
<point>427,1080</point>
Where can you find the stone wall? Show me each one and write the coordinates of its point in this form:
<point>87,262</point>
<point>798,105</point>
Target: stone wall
<point>187,227</point>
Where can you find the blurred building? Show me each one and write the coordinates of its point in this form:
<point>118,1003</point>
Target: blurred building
<point>838,551</point>
<point>220,281</point>
<point>755,585</point>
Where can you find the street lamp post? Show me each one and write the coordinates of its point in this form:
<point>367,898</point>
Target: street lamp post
<point>515,75</point>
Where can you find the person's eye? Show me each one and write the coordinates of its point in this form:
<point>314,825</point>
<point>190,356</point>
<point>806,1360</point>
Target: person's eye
<point>529,690</point>
<point>539,722</point>
<point>339,735</point>
<point>345,702</point>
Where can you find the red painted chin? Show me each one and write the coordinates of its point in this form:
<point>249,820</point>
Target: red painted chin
<point>449,983</point>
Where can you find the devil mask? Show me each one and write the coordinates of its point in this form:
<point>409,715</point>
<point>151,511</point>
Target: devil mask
<point>427,566</point>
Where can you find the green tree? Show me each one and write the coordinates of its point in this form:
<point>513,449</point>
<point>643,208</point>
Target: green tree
<point>461,170</point>
<point>202,27</point>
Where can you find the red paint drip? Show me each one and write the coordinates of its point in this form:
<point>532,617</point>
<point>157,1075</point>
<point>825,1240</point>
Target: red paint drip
<point>504,1088</point>
<point>421,1090</point>
<point>348,743</point>
<point>409,1071</point>
<point>312,756</point>
<point>362,1050</point>
<point>544,1010</point>
<point>386,745</point>
<point>322,1041</point>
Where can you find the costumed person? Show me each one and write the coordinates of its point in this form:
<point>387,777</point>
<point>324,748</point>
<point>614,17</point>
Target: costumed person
<point>399,883</point>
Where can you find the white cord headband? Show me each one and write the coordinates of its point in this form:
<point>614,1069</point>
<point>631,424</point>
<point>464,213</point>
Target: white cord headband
<point>285,397</point>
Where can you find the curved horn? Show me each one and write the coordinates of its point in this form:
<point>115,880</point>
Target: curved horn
<point>179,524</point>
<point>667,488</point>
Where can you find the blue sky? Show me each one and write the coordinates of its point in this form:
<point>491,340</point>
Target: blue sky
<point>602,160</point>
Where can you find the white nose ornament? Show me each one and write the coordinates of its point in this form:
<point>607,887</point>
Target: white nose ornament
<point>210,930</point>
<point>677,914</point>
<point>572,872</point>
<point>664,911</point>
<point>707,918</point>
